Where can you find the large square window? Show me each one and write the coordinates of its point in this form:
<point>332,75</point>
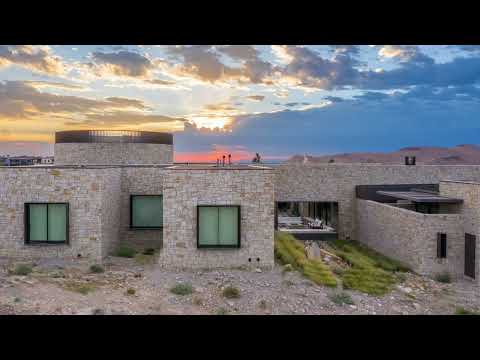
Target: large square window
<point>218,226</point>
<point>46,223</point>
<point>146,211</point>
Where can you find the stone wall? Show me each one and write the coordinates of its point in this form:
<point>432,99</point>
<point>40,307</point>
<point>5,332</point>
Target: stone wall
<point>470,209</point>
<point>140,180</point>
<point>411,237</point>
<point>336,182</point>
<point>91,195</point>
<point>111,211</point>
<point>252,189</point>
<point>112,153</point>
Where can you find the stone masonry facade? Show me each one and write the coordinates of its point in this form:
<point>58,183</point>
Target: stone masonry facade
<point>93,226</point>
<point>336,183</point>
<point>469,191</point>
<point>99,203</point>
<point>411,237</point>
<point>252,189</point>
<point>112,153</point>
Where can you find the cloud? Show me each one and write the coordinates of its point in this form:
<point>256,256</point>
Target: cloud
<point>160,82</point>
<point>122,63</point>
<point>360,124</point>
<point>239,52</point>
<point>116,118</point>
<point>346,49</point>
<point>219,107</point>
<point>53,84</point>
<point>404,53</point>
<point>22,100</point>
<point>255,97</point>
<point>203,62</point>
<point>34,58</point>
<point>468,48</point>
<point>307,68</point>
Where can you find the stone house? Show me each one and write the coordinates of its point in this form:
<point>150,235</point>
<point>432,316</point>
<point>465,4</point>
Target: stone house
<point>109,188</point>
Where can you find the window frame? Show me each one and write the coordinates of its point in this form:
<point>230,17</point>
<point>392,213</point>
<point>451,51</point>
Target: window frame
<point>131,214</point>
<point>441,254</point>
<point>26,221</point>
<point>220,246</point>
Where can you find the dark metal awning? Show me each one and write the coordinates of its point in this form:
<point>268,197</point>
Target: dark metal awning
<point>421,197</point>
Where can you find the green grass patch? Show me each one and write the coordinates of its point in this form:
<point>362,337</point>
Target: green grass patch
<point>143,259</point>
<point>289,250</point>
<point>130,291</point>
<point>182,289</point>
<point>341,298</point>
<point>368,271</point>
<point>463,311</point>
<point>149,251</point>
<point>443,278</point>
<point>231,292</point>
<point>97,269</point>
<point>125,251</point>
<point>81,288</point>
<point>22,269</point>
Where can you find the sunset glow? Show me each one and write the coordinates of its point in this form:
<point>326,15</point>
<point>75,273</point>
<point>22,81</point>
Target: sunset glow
<point>276,100</point>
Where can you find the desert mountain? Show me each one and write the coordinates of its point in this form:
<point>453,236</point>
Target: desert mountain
<point>460,154</point>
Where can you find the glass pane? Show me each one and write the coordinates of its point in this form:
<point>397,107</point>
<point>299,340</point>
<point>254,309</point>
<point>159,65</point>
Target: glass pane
<point>228,229</point>
<point>57,222</point>
<point>37,222</point>
<point>208,225</point>
<point>147,211</point>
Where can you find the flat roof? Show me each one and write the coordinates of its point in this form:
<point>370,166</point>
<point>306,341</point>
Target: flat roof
<point>113,136</point>
<point>420,197</point>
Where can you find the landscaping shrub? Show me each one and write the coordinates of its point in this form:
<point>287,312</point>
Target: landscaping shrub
<point>22,269</point>
<point>149,251</point>
<point>443,278</point>
<point>82,288</point>
<point>182,289</point>
<point>96,269</point>
<point>231,292</point>
<point>222,311</point>
<point>126,252</point>
<point>369,271</point>
<point>341,298</point>
<point>463,311</point>
<point>289,250</point>
<point>130,291</point>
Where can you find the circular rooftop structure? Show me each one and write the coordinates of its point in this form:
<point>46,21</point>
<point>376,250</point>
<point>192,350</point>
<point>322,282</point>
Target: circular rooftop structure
<point>113,147</point>
<point>113,136</point>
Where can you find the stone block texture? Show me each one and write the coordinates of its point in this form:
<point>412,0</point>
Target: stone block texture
<point>112,153</point>
<point>469,191</point>
<point>252,189</point>
<point>93,207</point>
<point>140,180</point>
<point>336,183</point>
<point>411,237</point>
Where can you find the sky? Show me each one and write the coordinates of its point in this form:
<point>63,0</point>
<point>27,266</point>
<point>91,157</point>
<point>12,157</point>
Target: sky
<point>242,99</point>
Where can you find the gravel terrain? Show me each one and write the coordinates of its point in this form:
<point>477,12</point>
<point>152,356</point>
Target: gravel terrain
<point>48,290</point>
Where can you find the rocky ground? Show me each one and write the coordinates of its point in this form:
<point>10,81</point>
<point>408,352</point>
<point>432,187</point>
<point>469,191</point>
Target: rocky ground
<point>60,287</point>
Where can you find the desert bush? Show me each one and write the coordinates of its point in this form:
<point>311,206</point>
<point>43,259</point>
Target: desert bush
<point>125,251</point>
<point>341,298</point>
<point>231,292</point>
<point>22,269</point>
<point>182,289</point>
<point>443,278</point>
<point>97,269</point>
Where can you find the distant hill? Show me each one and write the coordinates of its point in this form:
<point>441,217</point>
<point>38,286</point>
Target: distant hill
<point>458,155</point>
